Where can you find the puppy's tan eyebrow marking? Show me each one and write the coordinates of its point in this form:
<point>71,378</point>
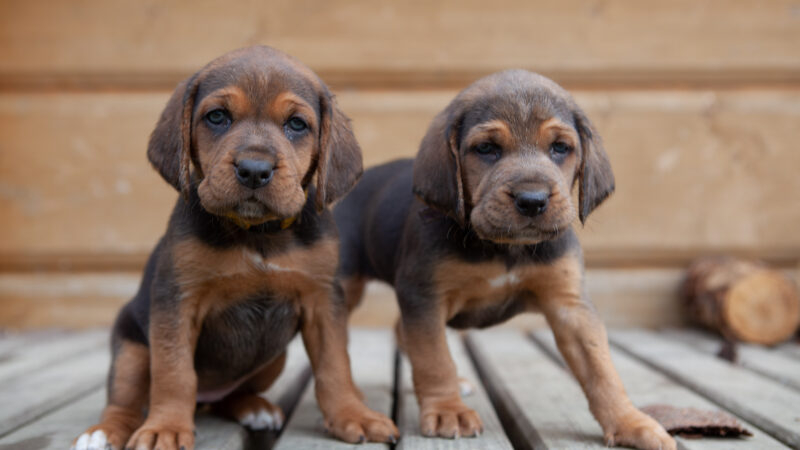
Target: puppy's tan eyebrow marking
<point>231,97</point>
<point>496,130</point>
<point>554,128</point>
<point>287,103</point>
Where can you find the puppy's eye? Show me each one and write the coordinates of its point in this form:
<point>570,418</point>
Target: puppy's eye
<point>560,148</point>
<point>297,125</point>
<point>488,150</point>
<point>219,118</point>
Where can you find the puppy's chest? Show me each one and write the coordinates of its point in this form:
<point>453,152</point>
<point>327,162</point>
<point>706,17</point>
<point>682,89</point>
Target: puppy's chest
<point>242,273</point>
<point>463,282</point>
<point>503,290</point>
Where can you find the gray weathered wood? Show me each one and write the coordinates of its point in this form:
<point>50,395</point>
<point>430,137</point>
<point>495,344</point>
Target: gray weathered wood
<point>12,341</point>
<point>372,360</point>
<point>540,402</point>
<point>759,359</point>
<point>25,359</point>
<point>493,436</point>
<point>791,349</point>
<point>55,431</point>
<point>647,386</point>
<point>765,403</point>
<point>26,398</point>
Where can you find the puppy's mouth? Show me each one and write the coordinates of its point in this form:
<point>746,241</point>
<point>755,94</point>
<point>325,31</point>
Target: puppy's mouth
<point>503,232</point>
<point>251,212</point>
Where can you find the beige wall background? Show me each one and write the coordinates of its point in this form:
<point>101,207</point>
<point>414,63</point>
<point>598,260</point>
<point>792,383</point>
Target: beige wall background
<point>698,103</point>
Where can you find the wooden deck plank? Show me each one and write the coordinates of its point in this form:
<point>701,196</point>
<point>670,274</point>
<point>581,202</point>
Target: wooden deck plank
<point>372,361</point>
<point>43,352</point>
<point>759,359</point>
<point>27,398</point>
<point>57,430</point>
<point>493,436</point>
<point>763,402</point>
<point>647,386</point>
<point>538,401</point>
<point>14,341</point>
<point>791,349</point>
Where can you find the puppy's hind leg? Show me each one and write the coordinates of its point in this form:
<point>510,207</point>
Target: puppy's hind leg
<point>250,409</point>
<point>128,389</point>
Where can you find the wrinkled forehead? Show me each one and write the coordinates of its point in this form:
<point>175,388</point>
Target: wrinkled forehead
<point>522,104</point>
<point>261,78</point>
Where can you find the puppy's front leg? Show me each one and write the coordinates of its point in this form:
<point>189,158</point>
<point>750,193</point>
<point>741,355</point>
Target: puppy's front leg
<point>442,412</point>
<point>324,329</point>
<point>173,387</point>
<point>582,340</point>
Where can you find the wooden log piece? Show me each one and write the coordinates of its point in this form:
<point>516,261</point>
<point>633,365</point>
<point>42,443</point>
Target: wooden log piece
<point>743,300</point>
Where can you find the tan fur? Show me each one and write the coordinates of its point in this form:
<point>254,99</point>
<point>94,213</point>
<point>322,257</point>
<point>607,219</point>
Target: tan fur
<point>217,276</point>
<point>127,395</point>
<point>464,286</point>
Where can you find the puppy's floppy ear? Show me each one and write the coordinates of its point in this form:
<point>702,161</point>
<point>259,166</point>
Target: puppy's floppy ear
<point>339,163</point>
<point>595,176</point>
<point>437,168</point>
<point>169,150</point>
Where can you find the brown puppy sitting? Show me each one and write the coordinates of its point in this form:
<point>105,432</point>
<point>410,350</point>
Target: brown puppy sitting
<point>489,236</point>
<point>247,260</point>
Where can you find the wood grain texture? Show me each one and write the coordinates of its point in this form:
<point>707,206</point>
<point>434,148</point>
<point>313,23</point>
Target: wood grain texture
<point>536,398</point>
<point>764,361</point>
<point>697,172</point>
<point>372,363</point>
<point>765,403</point>
<point>26,359</point>
<point>63,422</point>
<point>647,386</point>
<point>46,390</point>
<point>366,42</point>
<point>493,436</point>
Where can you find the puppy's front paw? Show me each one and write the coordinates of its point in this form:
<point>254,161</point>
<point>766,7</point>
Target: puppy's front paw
<point>449,419</point>
<point>110,434</point>
<point>356,424</point>
<point>162,436</point>
<point>637,429</point>
<point>100,437</point>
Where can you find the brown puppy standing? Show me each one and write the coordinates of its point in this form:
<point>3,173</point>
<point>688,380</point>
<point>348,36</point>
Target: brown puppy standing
<point>247,260</point>
<point>489,236</point>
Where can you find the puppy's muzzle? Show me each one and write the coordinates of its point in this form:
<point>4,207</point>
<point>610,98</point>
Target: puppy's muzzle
<point>253,173</point>
<point>531,203</point>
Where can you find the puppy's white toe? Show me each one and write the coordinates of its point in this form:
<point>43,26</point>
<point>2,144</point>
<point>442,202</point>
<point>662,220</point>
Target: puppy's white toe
<point>82,443</point>
<point>263,419</point>
<point>98,441</point>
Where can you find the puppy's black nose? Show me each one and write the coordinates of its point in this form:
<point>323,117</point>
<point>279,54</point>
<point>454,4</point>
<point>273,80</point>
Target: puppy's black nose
<point>531,203</point>
<point>253,173</point>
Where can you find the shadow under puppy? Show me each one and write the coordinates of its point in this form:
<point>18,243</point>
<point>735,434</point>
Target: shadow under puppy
<point>489,235</point>
<point>258,149</point>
